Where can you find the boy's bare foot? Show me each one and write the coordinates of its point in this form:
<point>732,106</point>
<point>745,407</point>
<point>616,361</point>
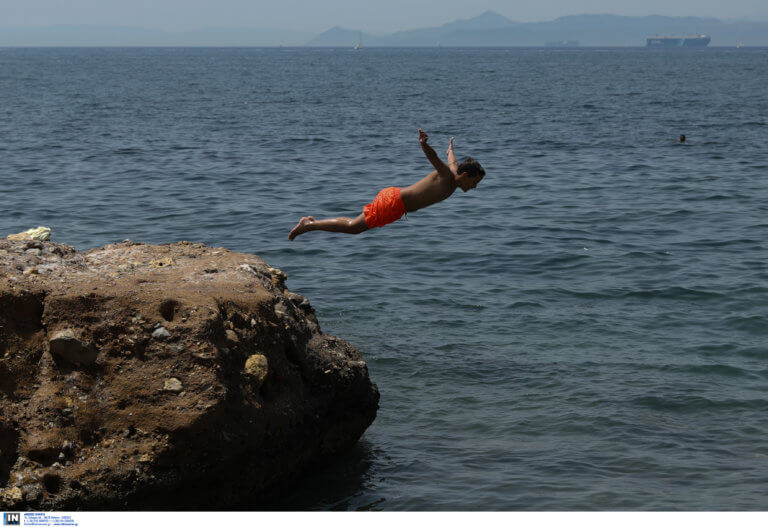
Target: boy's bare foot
<point>300,227</point>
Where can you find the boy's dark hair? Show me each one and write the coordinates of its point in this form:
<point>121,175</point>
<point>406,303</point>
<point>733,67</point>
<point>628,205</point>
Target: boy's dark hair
<point>471,166</point>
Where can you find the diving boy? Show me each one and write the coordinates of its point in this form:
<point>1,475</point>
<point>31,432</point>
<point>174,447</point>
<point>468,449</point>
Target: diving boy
<point>391,203</point>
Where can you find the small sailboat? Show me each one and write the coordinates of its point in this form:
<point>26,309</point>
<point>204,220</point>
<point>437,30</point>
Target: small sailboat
<point>740,45</point>
<point>359,43</point>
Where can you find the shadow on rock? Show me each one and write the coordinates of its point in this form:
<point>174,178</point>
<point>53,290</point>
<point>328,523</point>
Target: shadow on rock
<point>333,485</point>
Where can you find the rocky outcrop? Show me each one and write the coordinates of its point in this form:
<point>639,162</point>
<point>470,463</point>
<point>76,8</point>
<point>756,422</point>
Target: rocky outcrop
<point>163,377</point>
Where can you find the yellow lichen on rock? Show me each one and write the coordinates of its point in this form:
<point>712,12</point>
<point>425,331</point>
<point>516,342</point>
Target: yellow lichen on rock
<point>10,498</point>
<point>162,262</point>
<point>172,385</point>
<point>257,367</point>
<point>278,277</point>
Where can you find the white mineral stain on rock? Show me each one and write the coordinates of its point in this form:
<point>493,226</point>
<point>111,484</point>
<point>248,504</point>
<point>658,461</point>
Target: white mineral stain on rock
<point>281,309</point>
<point>41,234</point>
<point>248,268</point>
<point>161,333</point>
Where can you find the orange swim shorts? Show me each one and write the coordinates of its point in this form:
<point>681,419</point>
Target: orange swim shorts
<point>387,207</point>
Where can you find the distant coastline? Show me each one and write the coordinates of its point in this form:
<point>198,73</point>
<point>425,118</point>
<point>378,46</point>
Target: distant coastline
<point>489,29</point>
<point>494,30</point>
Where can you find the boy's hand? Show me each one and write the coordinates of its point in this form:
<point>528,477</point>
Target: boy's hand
<point>441,167</point>
<point>450,147</point>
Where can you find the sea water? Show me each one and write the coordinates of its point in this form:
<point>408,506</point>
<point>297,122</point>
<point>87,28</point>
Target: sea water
<point>588,329</point>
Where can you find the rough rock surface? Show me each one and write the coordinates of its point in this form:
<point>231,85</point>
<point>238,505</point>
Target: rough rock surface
<point>163,377</point>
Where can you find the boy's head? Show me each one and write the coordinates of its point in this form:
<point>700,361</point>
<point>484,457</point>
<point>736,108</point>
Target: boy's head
<point>470,172</point>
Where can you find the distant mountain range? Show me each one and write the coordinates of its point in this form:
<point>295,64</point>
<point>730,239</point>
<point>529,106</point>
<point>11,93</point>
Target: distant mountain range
<point>493,29</point>
<point>488,29</point>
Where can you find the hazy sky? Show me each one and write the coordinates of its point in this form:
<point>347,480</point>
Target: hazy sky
<point>319,15</point>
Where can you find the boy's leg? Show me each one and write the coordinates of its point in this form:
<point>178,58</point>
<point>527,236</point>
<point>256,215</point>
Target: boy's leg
<point>346,225</point>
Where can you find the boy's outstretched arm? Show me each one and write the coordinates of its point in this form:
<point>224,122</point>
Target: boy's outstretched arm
<point>452,163</point>
<point>441,167</point>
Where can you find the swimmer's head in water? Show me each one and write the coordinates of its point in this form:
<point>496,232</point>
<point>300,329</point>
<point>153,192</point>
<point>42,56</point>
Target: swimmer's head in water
<point>682,138</point>
<point>470,173</point>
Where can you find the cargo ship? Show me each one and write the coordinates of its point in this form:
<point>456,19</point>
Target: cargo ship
<point>694,41</point>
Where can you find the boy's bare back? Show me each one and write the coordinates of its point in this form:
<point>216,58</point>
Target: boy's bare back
<point>441,183</point>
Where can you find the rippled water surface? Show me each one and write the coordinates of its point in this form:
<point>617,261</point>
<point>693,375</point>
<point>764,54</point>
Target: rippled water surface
<point>587,329</point>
